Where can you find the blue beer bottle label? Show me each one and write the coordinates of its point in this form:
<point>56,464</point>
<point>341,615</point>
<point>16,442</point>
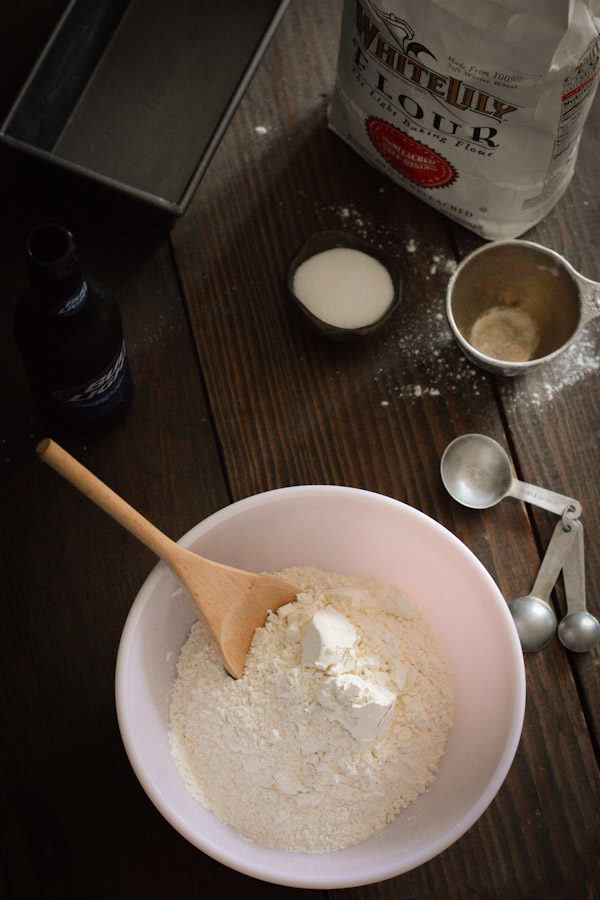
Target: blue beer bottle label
<point>72,304</point>
<point>100,395</point>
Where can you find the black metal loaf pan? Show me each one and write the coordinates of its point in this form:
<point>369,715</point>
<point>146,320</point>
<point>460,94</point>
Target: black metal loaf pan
<point>138,94</point>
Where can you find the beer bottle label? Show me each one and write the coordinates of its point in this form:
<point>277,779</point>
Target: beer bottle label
<point>102,394</point>
<point>73,304</point>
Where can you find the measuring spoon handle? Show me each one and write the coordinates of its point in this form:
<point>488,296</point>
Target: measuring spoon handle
<point>550,500</point>
<point>574,573</point>
<point>557,552</point>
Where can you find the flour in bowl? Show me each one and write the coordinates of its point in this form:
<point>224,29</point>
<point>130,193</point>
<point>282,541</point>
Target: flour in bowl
<point>338,723</point>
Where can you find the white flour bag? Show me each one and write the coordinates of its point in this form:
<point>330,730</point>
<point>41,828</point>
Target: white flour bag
<point>475,106</point>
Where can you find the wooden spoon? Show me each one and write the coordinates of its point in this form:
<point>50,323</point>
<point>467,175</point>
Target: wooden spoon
<point>231,603</point>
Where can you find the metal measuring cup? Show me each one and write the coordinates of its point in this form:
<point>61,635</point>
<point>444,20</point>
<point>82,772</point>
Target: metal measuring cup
<point>536,299</point>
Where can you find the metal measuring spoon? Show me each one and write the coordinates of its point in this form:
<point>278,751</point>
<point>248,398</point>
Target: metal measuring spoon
<point>579,630</point>
<point>476,472</point>
<point>533,616</point>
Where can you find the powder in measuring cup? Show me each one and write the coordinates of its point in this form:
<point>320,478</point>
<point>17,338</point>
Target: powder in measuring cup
<point>344,287</point>
<point>505,333</point>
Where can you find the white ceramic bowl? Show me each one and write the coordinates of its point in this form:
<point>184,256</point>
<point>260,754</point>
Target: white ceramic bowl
<point>345,530</point>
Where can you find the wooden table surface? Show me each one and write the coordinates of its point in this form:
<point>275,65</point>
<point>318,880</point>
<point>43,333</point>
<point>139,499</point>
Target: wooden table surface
<point>232,397</point>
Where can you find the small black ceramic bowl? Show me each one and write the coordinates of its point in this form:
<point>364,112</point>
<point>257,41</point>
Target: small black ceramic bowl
<point>329,240</point>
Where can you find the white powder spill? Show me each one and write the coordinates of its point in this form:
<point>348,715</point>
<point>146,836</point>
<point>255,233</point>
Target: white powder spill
<point>441,264</point>
<point>581,360</point>
<point>365,229</point>
<point>429,346</point>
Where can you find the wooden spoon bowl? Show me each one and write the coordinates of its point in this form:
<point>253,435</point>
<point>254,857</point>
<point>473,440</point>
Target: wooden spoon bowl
<point>232,603</point>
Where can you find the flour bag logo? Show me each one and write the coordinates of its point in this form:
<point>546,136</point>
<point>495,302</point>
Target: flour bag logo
<point>409,157</point>
<point>412,159</point>
<point>402,33</point>
<point>464,110</point>
<point>403,56</point>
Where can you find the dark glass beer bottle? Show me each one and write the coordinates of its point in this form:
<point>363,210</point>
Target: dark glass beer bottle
<point>69,334</point>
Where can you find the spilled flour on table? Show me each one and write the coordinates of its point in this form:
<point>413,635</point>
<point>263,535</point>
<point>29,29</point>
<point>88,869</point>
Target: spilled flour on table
<point>430,347</point>
<point>581,360</point>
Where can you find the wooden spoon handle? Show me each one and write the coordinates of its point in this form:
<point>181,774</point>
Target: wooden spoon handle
<point>81,478</point>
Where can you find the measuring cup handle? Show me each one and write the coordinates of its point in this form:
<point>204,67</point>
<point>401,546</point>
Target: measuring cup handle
<point>590,296</point>
<point>557,552</point>
<point>542,497</point>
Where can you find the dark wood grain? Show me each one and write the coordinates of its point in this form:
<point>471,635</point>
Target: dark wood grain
<point>553,414</point>
<point>74,821</point>
<point>234,396</point>
<point>556,413</point>
<point>358,414</point>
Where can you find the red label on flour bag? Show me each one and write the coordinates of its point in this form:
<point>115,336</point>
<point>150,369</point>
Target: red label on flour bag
<point>413,160</point>
<point>485,99</point>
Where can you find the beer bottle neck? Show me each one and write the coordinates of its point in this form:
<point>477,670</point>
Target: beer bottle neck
<point>54,271</point>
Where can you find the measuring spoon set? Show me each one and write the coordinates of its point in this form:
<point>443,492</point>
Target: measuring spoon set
<point>477,473</point>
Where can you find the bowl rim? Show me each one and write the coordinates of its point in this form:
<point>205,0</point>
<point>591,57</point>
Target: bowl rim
<point>304,878</point>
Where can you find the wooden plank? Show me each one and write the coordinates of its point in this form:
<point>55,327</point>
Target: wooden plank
<point>292,409</point>
<point>553,413</point>
<point>556,411</point>
<point>75,822</point>
<point>288,409</point>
